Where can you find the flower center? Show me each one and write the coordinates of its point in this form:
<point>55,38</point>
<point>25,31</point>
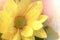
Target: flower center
<point>20,22</point>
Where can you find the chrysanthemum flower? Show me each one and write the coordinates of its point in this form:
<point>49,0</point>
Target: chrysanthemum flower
<point>22,20</point>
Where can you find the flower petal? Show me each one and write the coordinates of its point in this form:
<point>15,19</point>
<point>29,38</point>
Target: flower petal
<point>27,32</point>
<point>22,6</point>
<point>6,25</point>
<point>17,36</point>
<point>40,33</point>
<point>35,10</point>
<point>43,18</point>
<point>28,38</point>
<point>7,36</point>
<point>10,7</point>
<point>36,25</point>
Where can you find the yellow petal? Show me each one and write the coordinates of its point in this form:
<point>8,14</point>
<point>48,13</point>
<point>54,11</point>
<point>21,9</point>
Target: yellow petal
<point>27,32</point>
<point>0,17</point>
<point>6,22</point>
<point>6,25</point>
<point>28,38</point>
<point>22,6</point>
<point>7,17</point>
<point>43,18</point>
<point>40,33</point>
<point>34,11</point>
<point>17,36</point>
<point>36,25</point>
<point>10,7</point>
<point>7,36</point>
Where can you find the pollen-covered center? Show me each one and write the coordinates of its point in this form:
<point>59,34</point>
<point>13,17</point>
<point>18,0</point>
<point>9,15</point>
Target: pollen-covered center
<point>20,22</point>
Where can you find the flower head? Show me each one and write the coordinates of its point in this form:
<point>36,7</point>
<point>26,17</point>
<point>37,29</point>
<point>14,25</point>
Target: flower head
<point>22,20</point>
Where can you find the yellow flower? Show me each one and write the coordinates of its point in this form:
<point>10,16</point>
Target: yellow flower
<point>22,20</point>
